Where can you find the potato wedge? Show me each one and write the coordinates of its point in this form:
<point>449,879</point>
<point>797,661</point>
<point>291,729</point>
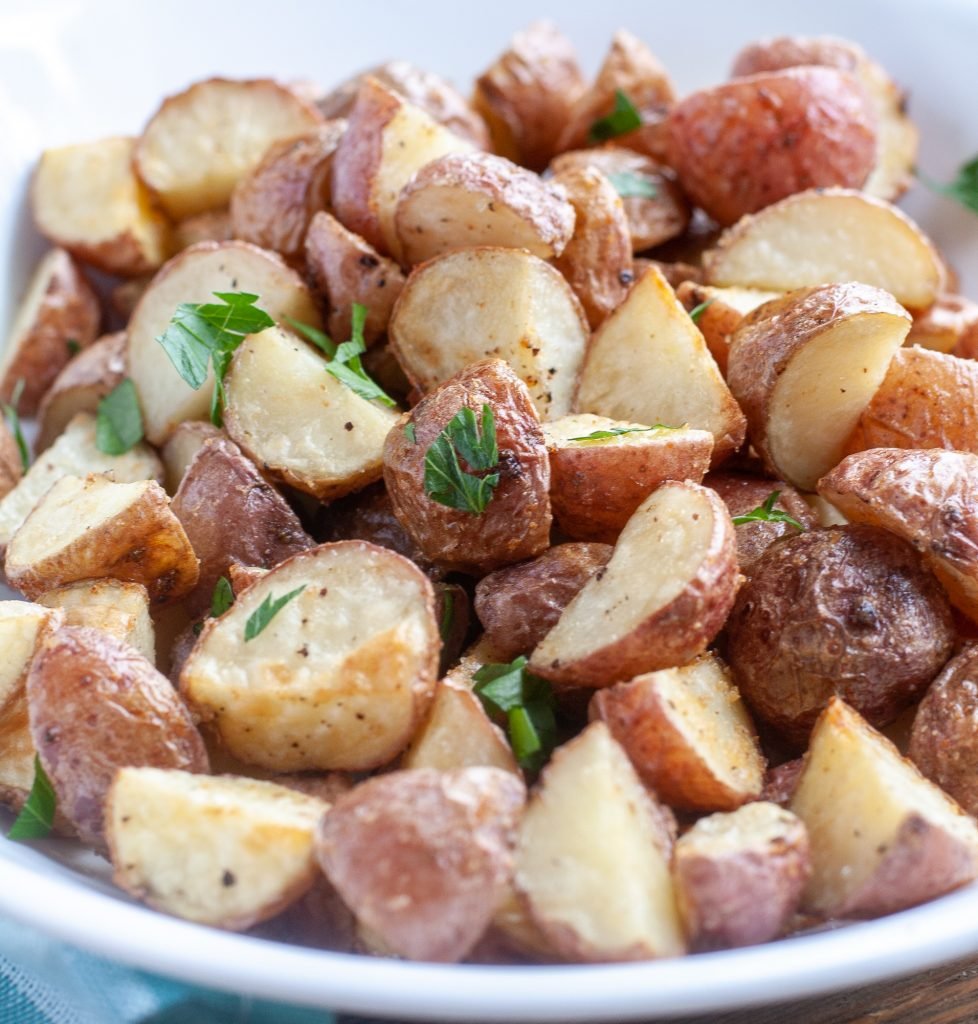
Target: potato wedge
<point>97,705</point>
<point>829,235</point>
<point>11,463</point>
<point>88,378</point>
<point>424,857</point>
<point>848,610</point>
<point>179,451</point>
<point>527,95</point>
<point>626,622</point>
<point>804,367</point>
<point>515,522</point>
<point>74,453</point>
<point>93,528</point>
<point>204,140</point>
<point>258,862</point>
<point>589,816</point>
<point>387,140</point>
<point>87,199</point>
<point>688,734</point>
<point>596,484</point>
<point>739,877</point>
<point>925,497</point>
<point>492,303</point>
<point>193,276</point>
<point>465,199</point>
<point>59,306</point>
<point>273,205</point>
<point>648,363</point>
<point>298,422</point>
<point>308,693</point>
<point>882,836</point>
<point>117,608</point>
<point>950,325</point>
<point>597,260</point>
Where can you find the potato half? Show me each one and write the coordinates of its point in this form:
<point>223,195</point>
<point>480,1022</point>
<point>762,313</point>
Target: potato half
<point>950,325</point>
<point>179,451</point>
<point>234,852</point>
<point>339,678</point>
<point>661,599</point>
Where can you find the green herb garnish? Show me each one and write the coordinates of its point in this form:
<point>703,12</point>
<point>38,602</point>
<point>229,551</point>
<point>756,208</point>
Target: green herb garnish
<point>623,119</point>
<point>222,598</point>
<point>209,333</point>
<point>119,425</point>
<point>73,346</point>
<point>37,815</point>
<point>444,479</point>
<point>964,188</point>
<point>267,611</point>
<point>697,311</point>
<point>528,704</point>
<point>447,615</point>
<point>319,338</point>
<point>630,185</point>
<point>13,421</point>
<point>602,435</point>
<point>767,513</point>
<point>410,433</point>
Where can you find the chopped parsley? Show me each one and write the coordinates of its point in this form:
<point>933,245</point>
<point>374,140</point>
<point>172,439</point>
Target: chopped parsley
<point>622,120</point>
<point>444,479</point>
<point>767,513</point>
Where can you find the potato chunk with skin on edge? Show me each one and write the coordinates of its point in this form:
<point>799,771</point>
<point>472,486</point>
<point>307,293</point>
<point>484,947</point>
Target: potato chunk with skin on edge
<point>182,446</point>
<point>11,465</point>
<point>950,325</point>
<point>309,692</point>
<point>882,836</point>
<point>235,852</point>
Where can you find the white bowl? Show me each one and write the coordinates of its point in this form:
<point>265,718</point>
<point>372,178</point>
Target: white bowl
<point>71,70</point>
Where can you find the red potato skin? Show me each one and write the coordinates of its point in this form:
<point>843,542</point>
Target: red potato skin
<point>780,782</point>
<point>743,145</point>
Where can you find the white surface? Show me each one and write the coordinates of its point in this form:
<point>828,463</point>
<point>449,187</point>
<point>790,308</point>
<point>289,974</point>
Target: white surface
<point>71,70</point>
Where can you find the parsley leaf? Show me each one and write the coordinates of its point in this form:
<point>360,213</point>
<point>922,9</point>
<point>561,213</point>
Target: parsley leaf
<point>528,704</point>
<point>964,188</point>
<point>447,615</point>
<point>120,422</point>
<point>13,421</point>
<point>697,311</point>
<point>444,479</point>
<point>201,333</point>
<point>222,598</point>
<point>37,815</point>
<point>601,435</point>
<point>623,119</point>
<point>73,346</point>
<point>410,433</point>
<point>630,185</point>
<point>767,513</point>
<point>319,338</point>
<point>267,611</point>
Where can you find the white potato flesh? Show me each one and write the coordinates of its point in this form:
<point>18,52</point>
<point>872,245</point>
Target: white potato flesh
<point>193,276</point>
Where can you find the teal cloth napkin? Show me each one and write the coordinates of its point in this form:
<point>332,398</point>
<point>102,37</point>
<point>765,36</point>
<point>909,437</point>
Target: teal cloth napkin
<point>47,982</point>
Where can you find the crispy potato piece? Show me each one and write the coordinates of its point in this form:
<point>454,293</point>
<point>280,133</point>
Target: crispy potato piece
<point>423,857</point>
<point>828,235</point>
<point>256,863</point>
<point>739,877</point>
<point>804,367</point>
<point>629,67</point>
<point>492,303</point>
<point>520,604</point>
<point>516,522</point>
<point>88,378</point>
<point>118,608</point>
<point>655,207</point>
<point>204,140</point>
<point>464,199</point>
<point>87,199</point>
<point>589,816</point>
<point>299,423</point>
<point>742,145</point>
<point>648,363</point>
<point>626,622</point>
<point>93,528</point>
<point>597,260</point>
<point>97,705</point>
<point>742,493</point>
<point>688,734</point>
<point>242,576</point>
<point>896,134</point>
<point>926,400</point>
<point>59,306</point>
<point>950,325</point>
<point>597,484</point>
<point>344,269</point>
<point>308,693</point>
<point>209,226</point>
<point>11,465</point>
<point>232,515</point>
<point>882,836</point>
<point>926,497</point>
<point>193,276</point>
<point>527,96</point>
<point>387,140</point>
<point>849,610</point>
<point>73,454</point>
<point>273,205</point>
<point>179,451</point>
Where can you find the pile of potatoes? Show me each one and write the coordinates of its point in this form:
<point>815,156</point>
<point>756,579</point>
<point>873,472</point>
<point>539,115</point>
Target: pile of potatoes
<point>763,722</point>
